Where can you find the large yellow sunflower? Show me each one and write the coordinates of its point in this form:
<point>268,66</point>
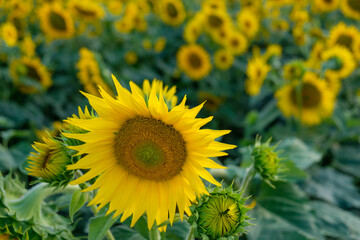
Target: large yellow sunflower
<point>344,60</point>
<point>30,75</point>
<point>172,12</point>
<point>310,101</point>
<point>55,21</point>
<point>147,157</point>
<point>351,8</point>
<point>194,61</point>
<point>215,20</point>
<point>346,36</point>
<point>256,72</point>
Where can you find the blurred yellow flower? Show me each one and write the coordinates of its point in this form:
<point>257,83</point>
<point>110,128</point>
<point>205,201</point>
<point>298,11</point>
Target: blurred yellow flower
<point>28,46</point>
<point>30,75</point>
<point>9,34</point>
<point>223,59</point>
<point>192,31</point>
<point>194,61</point>
<point>172,12</point>
<point>351,8</point>
<point>236,43</point>
<point>56,21</point>
<point>326,5</point>
<point>256,72</point>
<point>248,23</point>
<point>131,57</point>
<point>345,62</point>
<point>309,101</point>
<point>160,44</point>
<point>86,10</point>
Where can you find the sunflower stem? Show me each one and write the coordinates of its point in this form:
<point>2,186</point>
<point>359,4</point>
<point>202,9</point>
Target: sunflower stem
<point>249,175</point>
<point>154,233</point>
<point>190,235</point>
<point>93,208</point>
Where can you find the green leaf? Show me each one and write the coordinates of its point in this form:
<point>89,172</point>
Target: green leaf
<point>291,172</point>
<point>283,214</point>
<point>335,222</point>
<point>77,201</point>
<point>347,158</point>
<point>124,232</point>
<point>7,161</point>
<point>178,231</point>
<point>297,151</point>
<point>99,225</point>
<point>334,187</point>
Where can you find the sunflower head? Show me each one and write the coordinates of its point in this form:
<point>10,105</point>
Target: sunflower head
<point>172,12</point>
<point>351,8</point>
<point>294,70</point>
<point>154,153</point>
<point>49,162</point>
<point>9,34</point>
<point>131,57</point>
<point>248,23</point>
<point>339,61</point>
<point>223,59</point>
<point>256,72</point>
<point>219,215</point>
<point>266,160</point>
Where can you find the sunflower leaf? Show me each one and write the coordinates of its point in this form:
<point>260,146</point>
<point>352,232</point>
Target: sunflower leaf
<point>77,201</point>
<point>99,225</point>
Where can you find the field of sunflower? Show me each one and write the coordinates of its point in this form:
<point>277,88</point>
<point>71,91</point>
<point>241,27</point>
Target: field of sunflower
<point>180,119</point>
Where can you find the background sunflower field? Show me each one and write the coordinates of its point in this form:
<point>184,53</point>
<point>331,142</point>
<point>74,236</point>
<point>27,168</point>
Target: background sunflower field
<point>280,69</point>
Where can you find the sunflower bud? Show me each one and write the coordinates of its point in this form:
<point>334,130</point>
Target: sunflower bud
<point>222,214</point>
<point>266,160</point>
<point>49,162</point>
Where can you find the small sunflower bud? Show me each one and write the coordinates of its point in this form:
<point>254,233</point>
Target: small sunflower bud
<point>222,214</point>
<point>49,162</point>
<point>266,160</point>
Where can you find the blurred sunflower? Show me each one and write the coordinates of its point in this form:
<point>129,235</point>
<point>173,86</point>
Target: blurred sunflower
<point>160,44</point>
<point>351,8</point>
<point>194,61</point>
<point>56,22</point>
<point>156,155</point>
<point>237,43</point>
<point>256,72</point>
<point>90,73</point>
<point>28,46</point>
<point>310,101</point>
<point>192,30</point>
<point>248,23</point>
<point>293,70</point>
<point>315,57</point>
<point>326,5</point>
<point>172,12</point>
<point>213,5</point>
<point>271,51</point>
<point>339,61</point>
<point>131,57</point>
<point>333,83</point>
<point>156,85</point>
<point>30,75</point>
<point>9,34</point>
<point>223,59</point>
<point>346,36</point>
<point>124,25</point>
<point>280,25</point>
<point>86,10</point>
<point>215,20</point>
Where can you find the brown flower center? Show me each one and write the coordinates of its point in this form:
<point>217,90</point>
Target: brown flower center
<point>172,10</point>
<point>150,149</point>
<point>57,21</point>
<point>310,96</point>
<point>345,40</point>
<point>194,60</point>
<point>354,5</point>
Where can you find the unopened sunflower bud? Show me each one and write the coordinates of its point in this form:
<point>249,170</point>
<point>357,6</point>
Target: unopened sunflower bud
<point>49,162</point>
<point>267,161</point>
<point>221,214</point>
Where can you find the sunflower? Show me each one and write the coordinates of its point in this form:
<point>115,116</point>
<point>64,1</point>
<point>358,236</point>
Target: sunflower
<point>333,83</point>
<point>237,43</point>
<point>346,36</point>
<point>315,57</point>
<point>351,8</point>
<point>30,75</point>
<point>53,131</point>
<point>9,34</point>
<point>344,61</point>
<point>154,154</point>
<point>160,44</point>
<point>28,46</point>
<point>49,162</point>
<point>248,23</point>
<point>169,94</point>
<point>272,50</point>
<point>326,5</point>
<point>215,20</point>
<point>256,72</point>
<point>56,21</point>
<point>172,12</point>
<point>86,10</point>
<point>294,70</point>
<point>213,5</point>
<point>223,59</point>
<point>115,7</point>
<point>192,31</point>
<point>280,25</point>
<point>124,25</point>
<point>131,57</point>
<point>194,61</point>
<point>310,101</point>
<point>89,72</point>
<point>213,101</point>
